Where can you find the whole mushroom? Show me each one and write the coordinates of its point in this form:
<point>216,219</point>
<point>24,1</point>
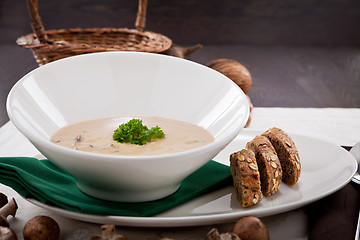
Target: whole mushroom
<point>251,228</point>
<point>8,209</point>
<point>234,70</point>
<point>7,234</point>
<point>41,228</point>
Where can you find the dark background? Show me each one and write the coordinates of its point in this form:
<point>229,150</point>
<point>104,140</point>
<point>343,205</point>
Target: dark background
<point>299,53</point>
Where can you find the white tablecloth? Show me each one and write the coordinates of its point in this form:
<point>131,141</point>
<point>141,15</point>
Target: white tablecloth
<point>341,126</point>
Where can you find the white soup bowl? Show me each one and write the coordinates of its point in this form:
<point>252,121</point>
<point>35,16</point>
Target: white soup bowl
<point>117,84</point>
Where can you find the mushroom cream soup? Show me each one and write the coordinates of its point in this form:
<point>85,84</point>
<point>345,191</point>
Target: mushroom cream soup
<point>97,136</point>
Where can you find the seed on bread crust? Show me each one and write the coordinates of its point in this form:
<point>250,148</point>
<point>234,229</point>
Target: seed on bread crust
<point>246,178</point>
<point>287,153</point>
<point>268,164</point>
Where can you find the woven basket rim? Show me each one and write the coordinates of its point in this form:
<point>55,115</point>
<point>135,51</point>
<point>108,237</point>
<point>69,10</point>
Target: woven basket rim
<point>30,40</point>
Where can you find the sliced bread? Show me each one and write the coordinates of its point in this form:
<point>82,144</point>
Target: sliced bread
<point>246,177</point>
<point>268,164</point>
<point>287,154</point>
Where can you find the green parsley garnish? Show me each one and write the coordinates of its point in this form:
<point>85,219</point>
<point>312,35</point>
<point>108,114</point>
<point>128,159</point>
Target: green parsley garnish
<point>136,133</point>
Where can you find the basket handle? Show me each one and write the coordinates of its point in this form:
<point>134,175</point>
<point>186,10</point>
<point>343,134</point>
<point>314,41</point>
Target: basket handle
<point>36,23</point>
<point>39,29</point>
<point>141,15</point>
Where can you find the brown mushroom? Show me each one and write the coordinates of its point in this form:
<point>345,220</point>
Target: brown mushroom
<point>41,228</point>
<point>250,228</point>
<point>108,233</point>
<point>3,200</point>
<point>8,209</point>
<point>234,70</point>
<point>7,234</point>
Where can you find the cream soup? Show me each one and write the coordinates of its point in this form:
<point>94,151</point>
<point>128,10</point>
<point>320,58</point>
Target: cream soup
<point>96,136</point>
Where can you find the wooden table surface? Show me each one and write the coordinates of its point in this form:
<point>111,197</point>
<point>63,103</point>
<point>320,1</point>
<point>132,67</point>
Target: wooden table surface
<point>282,76</point>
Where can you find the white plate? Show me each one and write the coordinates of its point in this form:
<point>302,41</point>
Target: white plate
<point>326,168</point>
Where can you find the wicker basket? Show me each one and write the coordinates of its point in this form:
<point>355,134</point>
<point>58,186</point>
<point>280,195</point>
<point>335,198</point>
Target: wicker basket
<point>51,45</point>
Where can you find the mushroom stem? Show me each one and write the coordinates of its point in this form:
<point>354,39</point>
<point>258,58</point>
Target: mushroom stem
<point>214,234</point>
<point>182,52</point>
<point>108,233</point>
<point>9,209</point>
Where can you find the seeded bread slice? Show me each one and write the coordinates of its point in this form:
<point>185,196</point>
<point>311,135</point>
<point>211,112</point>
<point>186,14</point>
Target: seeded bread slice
<point>287,153</point>
<point>268,164</point>
<point>246,177</point>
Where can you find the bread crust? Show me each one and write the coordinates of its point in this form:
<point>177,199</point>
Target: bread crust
<point>287,153</point>
<point>246,177</point>
<point>268,164</point>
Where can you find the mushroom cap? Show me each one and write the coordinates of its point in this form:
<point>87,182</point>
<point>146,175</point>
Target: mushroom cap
<point>3,221</point>
<point>251,228</point>
<point>7,234</point>
<point>3,200</point>
<point>234,70</point>
<point>41,228</point>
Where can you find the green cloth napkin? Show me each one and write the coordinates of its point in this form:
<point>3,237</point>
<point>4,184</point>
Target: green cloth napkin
<point>42,180</point>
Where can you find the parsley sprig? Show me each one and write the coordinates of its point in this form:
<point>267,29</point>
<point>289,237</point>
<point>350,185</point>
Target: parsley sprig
<point>136,133</point>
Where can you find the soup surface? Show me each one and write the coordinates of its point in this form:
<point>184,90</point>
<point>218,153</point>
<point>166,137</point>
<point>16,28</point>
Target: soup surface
<point>96,136</point>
